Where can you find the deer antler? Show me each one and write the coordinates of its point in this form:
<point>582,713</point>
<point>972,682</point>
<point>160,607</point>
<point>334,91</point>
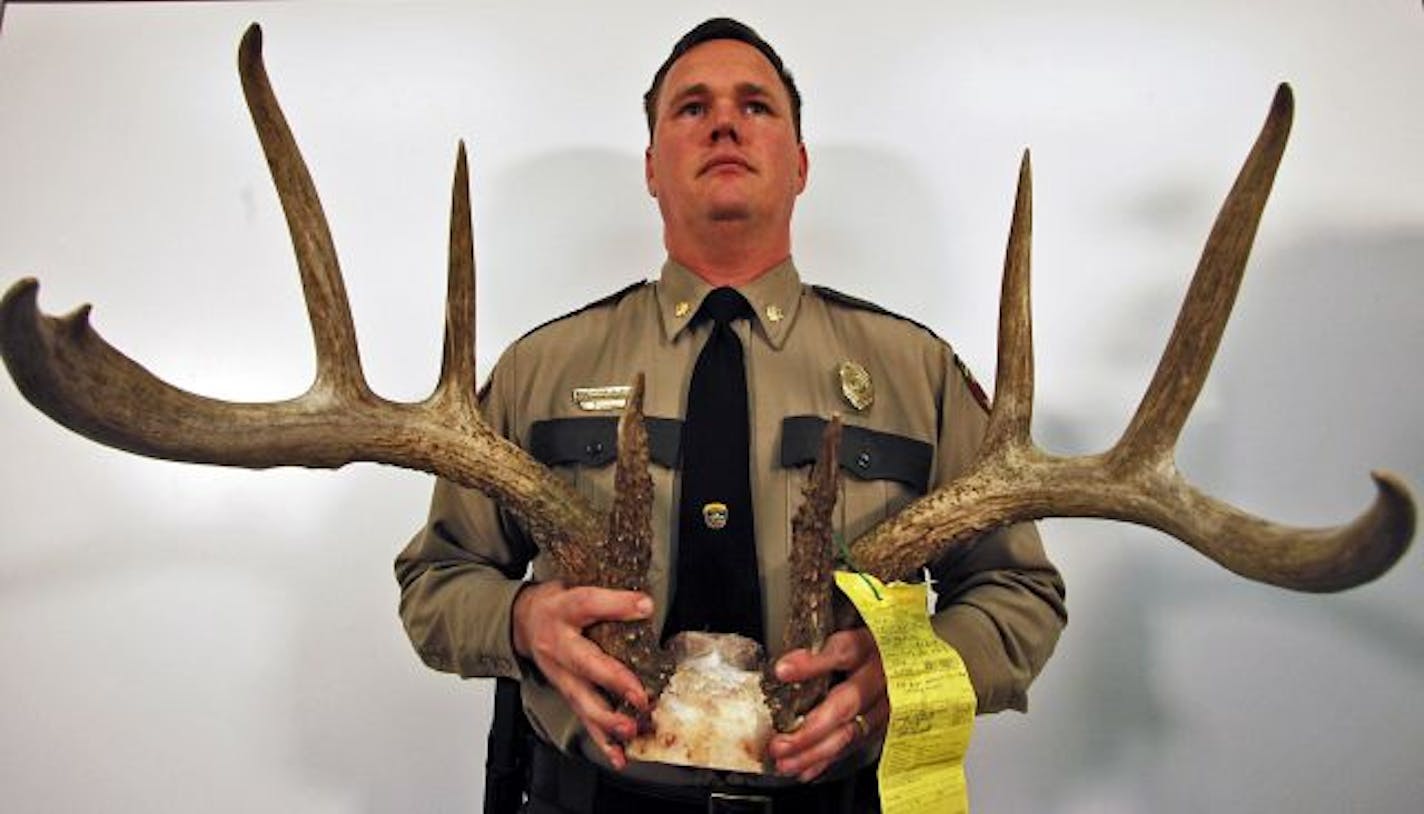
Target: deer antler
<point>1137,481</point>
<point>69,372</point>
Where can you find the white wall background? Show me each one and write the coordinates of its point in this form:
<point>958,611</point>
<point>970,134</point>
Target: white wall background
<point>181,638</point>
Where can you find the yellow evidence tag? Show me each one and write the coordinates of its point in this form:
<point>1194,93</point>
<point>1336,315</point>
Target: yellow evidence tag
<point>931,701</point>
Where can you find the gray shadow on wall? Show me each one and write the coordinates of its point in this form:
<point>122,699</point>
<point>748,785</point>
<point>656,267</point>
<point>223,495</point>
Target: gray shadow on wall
<point>1324,388</point>
<point>1336,322</point>
<point>1318,385</point>
<point>1315,384</point>
<point>869,225</point>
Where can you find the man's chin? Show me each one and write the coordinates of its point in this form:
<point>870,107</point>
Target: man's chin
<point>733,212</point>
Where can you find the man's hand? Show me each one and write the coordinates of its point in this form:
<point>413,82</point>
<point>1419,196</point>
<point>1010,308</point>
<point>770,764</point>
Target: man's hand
<point>549,621</point>
<point>855,711</point>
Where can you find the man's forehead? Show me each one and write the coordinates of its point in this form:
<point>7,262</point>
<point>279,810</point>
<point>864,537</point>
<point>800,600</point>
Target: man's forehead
<point>726,61</point>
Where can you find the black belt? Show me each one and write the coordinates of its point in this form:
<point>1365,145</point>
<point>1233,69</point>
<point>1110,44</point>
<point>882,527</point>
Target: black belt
<point>560,784</point>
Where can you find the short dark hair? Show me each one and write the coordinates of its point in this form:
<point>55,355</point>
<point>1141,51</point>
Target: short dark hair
<point>721,28</point>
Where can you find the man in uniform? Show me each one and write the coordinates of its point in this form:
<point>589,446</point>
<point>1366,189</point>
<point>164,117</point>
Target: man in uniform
<point>725,163</point>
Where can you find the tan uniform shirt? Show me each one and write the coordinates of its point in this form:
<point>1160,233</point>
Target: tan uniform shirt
<point>999,601</point>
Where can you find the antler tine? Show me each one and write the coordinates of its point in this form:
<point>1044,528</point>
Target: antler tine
<point>457,364</point>
<point>1012,416</point>
<point>338,365</point>
<point>625,557</point>
<point>1136,481</point>
<point>1311,560</point>
<point>64,368</point>
<point>1152,434</point>
<point>630,536</point>
<point>811,564</point>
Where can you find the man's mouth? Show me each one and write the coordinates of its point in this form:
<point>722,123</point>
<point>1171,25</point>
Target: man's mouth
<point>727,163</point>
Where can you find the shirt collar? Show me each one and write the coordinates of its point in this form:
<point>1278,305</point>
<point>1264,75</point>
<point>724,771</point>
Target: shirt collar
<point>774,298</point>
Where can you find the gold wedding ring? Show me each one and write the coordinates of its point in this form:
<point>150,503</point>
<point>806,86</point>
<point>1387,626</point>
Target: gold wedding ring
<point>862,726</point>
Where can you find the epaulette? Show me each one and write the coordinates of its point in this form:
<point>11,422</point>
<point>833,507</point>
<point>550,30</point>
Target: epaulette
<point>601,301</point>
<point>975,389</point>
<point>866,305</point>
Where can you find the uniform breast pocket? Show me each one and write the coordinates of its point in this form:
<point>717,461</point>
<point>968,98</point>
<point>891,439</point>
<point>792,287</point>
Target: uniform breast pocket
<point>582,451</point>
<point>880,471</point>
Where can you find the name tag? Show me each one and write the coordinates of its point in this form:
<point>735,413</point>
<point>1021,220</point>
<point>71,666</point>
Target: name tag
<point>608,397</point>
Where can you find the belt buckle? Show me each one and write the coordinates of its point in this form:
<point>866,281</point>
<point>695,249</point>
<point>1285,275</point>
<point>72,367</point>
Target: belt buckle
<point>721,802</point>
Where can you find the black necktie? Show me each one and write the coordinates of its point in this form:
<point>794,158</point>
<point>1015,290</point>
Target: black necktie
<point>717,586</point>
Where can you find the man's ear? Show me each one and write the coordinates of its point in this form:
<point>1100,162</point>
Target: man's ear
<point>803,167</point>
<point>648,171</point>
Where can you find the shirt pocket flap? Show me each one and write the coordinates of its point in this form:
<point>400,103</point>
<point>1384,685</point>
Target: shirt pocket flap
<point>865,453</point>
<point>593,441</point>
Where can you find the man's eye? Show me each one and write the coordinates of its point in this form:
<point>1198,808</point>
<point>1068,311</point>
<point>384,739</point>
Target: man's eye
<point>757,108</point>
<point>692,109</point>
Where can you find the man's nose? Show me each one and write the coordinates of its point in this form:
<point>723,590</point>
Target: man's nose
<point>727,131</point>
<point>724,124</point>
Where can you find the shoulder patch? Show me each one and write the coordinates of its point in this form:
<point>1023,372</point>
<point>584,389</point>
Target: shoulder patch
<point>865,305</point>
<point>975,389</point>
<point>601,301</point>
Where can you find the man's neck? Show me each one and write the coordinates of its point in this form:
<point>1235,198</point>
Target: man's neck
<point>730,261</point>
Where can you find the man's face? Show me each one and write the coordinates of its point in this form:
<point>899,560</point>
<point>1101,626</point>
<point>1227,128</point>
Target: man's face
<point>724,147</point>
